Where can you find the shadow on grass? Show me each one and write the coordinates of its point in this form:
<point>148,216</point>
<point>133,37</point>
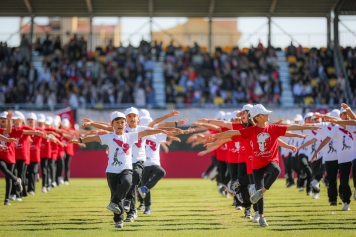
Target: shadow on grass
<point>183,229</point>
<point>50,229</point>
<point>313,228</point>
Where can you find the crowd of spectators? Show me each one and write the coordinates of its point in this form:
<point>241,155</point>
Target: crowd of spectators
<point>72,75</point>
<point>224,78</point>
<point>349,55</point>
<point>313,77</point>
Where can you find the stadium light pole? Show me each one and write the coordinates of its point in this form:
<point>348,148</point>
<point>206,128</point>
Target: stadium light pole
<point>328,30</point>
<point>31,35</point>
<point>91,33</point>
<point>269,31</point>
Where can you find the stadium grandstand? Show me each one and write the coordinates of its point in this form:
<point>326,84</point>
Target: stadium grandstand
<point>51,74</point>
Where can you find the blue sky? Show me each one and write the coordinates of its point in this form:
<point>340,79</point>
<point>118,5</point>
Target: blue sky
<point>309,32</point>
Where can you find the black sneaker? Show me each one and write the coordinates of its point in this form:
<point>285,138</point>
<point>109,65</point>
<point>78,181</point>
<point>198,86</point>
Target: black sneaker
<point>127,204</point>
<point>334,203</point>
<point>130,218</point>
<point>141,207</point>
<point>7,202</point>
<point>18,185</point>
<point>119,224</point>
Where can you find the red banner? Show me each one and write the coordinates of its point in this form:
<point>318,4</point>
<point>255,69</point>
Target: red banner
<point>66,113</point>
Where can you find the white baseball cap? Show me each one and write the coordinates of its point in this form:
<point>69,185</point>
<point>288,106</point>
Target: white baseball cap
<point>18,115</point>
<point>234,114</point>
<point>287,121</point>
<point>220,115</point>
<point>131,110</point>
<point>145,120</point>
<point>258,109</point>
<point>3,114</point>
<point>144,113</point>
<point>56,123</point>
<point>335,113</point>
<point>309,114</point>
<point>227,116</point>
<point>66,123</point>
<point>247,107</point>
<point>116,114</point>
<point>49,120</point>
<point>58,119</point>
<point>41,118</point>
<point>32,116</point>
<point>298,117</point>
<point>342,110</point>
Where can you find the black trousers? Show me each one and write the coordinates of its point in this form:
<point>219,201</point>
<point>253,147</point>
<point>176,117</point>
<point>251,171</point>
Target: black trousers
<point>32,173</point>
<point>150,177</point>
<point>119,185</point>
<point>332,168</point>
<point>20,171</point>
<point>212,165</point>
<point>52,170</point>
<point>223,175</point>
<point>137,169</point>
<point>273,171</point>
<point>44,170</point>
<point>67,160</point>
<point>305,166</point>
<point>288,166</point>
<point>345,169</point>
<point>59,170</point>
<point>296,167</point>
<point>8,170</point>
<point>244,181</point>
<point>354,172</point>
<point>318,171</point>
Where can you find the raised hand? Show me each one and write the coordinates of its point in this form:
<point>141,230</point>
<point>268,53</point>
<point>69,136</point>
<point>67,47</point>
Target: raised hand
<point>87,122</point>
<point>183,121</point>
<point>192,138</point>
<point>174,113</point>
<point>9,114</point>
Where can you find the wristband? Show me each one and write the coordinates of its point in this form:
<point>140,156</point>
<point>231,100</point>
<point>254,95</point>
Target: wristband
<point>176,123</point>
<point>80,140</point>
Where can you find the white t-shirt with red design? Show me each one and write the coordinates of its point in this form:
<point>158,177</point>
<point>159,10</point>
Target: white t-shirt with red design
<point>138,149</point>
<point>329,151</point>
<point>265,143</point>
<point>153,144</point>
<point>310,150</point>
<point>345,150</point>
<point>352,130</point>
<point>120,151</point>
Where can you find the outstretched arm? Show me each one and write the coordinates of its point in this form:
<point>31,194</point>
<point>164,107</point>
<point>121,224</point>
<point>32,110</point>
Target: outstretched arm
<point>291,134</point>
<point>171,124</point>
<point>349,112</point>
<point>208,126</point>
<point>160,119</point>
<point>149,132</point>
<point>91,123</point>
<point>308,143</point>
<point>281,143</point>
<point>227,134</point>
<point>326,140</point>
<point>295,127</point>
<point>216,122</point>
<point>86,139</point>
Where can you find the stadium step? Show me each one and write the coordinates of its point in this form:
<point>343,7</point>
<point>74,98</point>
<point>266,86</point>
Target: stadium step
<point>158,84</point>
<point>287,99</point>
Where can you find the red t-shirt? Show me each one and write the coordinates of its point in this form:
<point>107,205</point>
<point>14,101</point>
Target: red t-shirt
<point>213,132</point>
<point>35,147</point>
<point>46,151</point>
<point>8,154</point>
<point>21,147</point>
<point>69,148</point>
<point>54,150</point>
<point>265,143</point>
<point>222,152</point>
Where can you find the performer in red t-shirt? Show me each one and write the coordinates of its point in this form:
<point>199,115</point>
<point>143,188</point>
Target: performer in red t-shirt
<point>22,153</point>
<point>7,156</point>
<point>265,158</point>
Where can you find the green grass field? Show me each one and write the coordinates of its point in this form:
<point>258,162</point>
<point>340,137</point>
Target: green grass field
<point>181,207</point>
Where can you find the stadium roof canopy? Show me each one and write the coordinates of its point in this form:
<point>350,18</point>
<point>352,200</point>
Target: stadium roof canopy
<point>176,8</point>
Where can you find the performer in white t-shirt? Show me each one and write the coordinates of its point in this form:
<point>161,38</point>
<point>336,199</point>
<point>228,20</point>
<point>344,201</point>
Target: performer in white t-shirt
<point>119,169</point>
<point>153,172</point>
<point>345,155</point>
